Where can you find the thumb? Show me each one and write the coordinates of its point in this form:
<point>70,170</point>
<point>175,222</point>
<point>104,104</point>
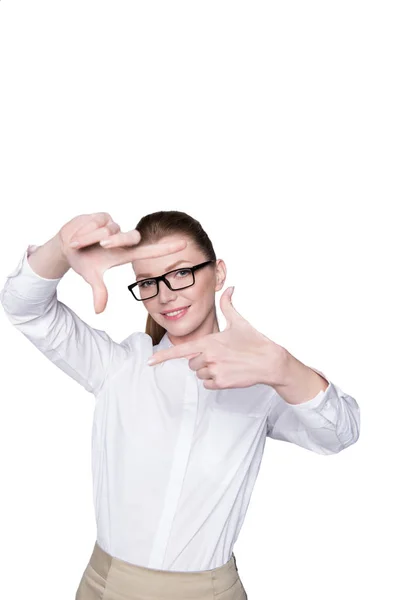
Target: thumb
<point>100,293</point>
<point>228,310</point>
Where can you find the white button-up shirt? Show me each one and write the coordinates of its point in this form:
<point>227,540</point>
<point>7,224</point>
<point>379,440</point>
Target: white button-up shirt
<point>174,464</point>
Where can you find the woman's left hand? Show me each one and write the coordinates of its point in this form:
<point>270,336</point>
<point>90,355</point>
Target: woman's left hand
<point>239,356</point>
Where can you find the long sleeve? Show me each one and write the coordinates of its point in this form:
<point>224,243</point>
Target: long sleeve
<point>82,352</point>
<point>325,424</point>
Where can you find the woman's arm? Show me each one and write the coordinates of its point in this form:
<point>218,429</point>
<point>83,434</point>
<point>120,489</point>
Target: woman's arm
<point>29,299</point>
<point>326,424</point>
<point>48,261</point>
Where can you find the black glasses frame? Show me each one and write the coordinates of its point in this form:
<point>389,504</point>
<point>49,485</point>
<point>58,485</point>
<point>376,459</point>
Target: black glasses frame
<point>163,278</point>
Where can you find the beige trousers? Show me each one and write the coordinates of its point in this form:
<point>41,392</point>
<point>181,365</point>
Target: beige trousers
<point>109,578</point>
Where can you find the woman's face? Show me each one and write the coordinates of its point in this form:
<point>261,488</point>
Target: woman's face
<point>200,297</point>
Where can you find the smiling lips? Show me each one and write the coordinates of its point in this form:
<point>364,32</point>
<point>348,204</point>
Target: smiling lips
<point>176,314</point>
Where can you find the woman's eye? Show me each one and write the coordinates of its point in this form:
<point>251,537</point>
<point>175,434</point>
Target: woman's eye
<point>184,271</point>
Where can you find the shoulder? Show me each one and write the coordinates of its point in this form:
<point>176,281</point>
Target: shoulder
<point>138,340</point>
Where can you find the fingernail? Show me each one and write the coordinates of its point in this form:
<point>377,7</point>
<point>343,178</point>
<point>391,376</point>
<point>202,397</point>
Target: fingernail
<point>105,242</point>
<point>74,244</point>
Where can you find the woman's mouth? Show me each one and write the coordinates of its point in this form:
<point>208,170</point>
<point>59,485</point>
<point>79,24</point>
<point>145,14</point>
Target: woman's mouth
<point>175,315</point>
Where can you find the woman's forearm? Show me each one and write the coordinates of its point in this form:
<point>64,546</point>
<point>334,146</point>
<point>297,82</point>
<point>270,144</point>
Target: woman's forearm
<point>48,260</point>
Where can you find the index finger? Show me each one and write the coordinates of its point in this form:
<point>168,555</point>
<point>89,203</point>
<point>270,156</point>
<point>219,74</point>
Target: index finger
<point>157,249</point>
<point>180,351</point>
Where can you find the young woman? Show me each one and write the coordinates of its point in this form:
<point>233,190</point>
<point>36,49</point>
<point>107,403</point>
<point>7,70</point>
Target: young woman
<point>177,445</point>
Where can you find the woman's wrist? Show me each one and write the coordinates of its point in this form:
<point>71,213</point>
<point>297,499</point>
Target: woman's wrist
<point>49,260</point>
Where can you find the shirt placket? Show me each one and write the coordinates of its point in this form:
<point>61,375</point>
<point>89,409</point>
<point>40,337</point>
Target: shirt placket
<point>178,470</point>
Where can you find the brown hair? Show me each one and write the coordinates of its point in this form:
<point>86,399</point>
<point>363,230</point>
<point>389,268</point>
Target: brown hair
<point>153,227</point>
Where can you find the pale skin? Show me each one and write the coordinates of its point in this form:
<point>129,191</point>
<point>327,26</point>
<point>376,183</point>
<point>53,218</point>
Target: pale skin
<point>238,356</point>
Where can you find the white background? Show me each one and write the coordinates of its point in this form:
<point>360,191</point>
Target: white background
<point>276,125</point>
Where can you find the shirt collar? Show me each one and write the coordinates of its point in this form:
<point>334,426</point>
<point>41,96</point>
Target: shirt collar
<point>165,342</point>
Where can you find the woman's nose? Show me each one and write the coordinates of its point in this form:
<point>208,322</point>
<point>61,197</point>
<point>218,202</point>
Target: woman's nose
<point>164,292</point>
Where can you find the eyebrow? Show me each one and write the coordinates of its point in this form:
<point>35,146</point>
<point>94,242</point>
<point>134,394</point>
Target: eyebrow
<point>146,275</point>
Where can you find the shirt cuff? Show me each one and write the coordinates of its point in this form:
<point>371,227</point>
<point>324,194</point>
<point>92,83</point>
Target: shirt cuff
<point>24,282</point>
<point>319,399</point>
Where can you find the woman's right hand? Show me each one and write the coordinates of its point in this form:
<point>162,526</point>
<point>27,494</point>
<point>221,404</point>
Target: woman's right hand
<point>91,260</point>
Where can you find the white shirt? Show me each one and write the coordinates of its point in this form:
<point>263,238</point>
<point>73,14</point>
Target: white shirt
<point>174,464</point>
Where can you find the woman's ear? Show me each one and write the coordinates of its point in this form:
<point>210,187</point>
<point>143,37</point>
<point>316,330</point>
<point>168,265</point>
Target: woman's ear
<point>220,274</point>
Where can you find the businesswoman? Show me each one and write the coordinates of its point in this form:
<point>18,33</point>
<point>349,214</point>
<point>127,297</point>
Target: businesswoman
<point>176,444</point>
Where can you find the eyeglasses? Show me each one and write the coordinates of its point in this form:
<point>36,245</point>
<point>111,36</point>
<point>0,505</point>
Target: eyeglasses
<point>178,279</point>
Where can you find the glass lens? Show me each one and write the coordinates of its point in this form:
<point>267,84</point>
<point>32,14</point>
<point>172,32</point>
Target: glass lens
<point>180,278</point>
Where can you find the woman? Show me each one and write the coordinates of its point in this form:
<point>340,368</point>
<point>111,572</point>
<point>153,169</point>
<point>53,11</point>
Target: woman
<point>176,445</point>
